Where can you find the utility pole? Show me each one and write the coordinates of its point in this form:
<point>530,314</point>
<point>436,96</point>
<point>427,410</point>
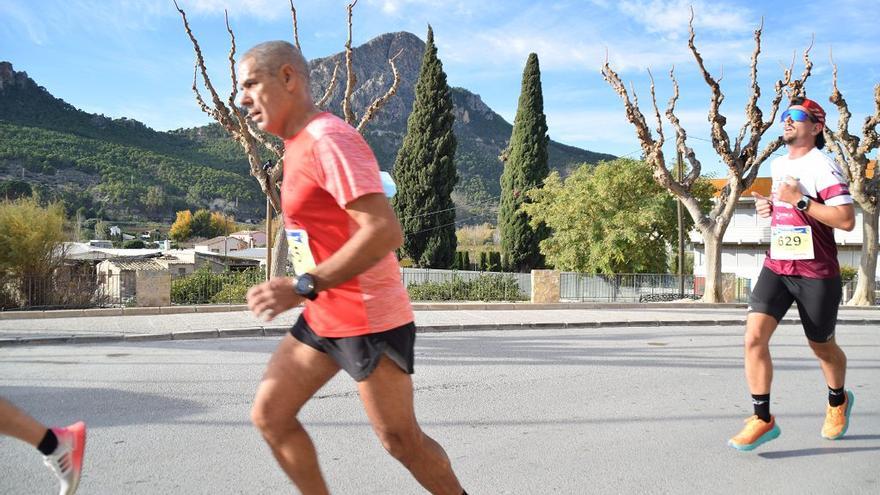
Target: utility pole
<point>679,176</point>
<point>266,167</point>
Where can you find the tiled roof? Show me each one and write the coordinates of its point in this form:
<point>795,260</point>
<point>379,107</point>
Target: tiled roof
<point>761,185</point>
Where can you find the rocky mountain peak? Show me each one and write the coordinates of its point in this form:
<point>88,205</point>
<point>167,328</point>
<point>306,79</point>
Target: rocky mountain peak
<point>9,78</point>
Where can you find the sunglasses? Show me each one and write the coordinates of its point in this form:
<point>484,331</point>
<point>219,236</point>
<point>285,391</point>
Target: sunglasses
<point>796,115</point>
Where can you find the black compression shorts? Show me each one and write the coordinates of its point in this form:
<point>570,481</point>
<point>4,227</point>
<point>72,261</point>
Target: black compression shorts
<point>817,301</point>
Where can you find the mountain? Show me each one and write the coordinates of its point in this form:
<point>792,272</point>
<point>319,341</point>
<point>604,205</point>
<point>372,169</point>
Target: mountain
<point>482,134</point>
<point>120,168</point>
<point>112,168</point>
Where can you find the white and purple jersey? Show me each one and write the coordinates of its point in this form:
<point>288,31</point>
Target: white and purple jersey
<point>821,180</point>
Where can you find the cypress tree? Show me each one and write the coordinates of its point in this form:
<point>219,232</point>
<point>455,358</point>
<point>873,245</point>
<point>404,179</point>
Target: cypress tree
<point>525,168</point>
<point>425,169</point>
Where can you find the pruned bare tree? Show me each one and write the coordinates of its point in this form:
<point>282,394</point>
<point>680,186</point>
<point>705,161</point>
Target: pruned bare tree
<point>851,152</point>
<point>255,143</point>
<point>743,156</point>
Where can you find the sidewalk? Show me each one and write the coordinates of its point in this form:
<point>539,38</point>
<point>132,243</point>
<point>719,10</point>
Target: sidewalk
<point>202,322</point>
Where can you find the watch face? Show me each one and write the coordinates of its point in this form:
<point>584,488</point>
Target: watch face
<point>304,285</point>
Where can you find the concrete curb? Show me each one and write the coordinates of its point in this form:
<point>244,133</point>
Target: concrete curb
<point>280,330</point>
<point>476,306</point>
<point>417,306</point>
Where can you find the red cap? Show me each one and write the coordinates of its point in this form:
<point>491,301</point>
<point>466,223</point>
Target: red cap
<point>815,110</point>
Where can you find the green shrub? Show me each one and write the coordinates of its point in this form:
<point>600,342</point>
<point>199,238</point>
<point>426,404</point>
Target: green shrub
<point>197,288</point>
<point>482,288</point>
<point>848,273</point>
<point>133,244</point>
<point>203,286</point>
<point>234,291</point>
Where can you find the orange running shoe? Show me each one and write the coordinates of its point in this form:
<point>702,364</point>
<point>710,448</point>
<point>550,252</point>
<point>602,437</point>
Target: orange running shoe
<point>756,432</point>
<point>837,418</point>
<point>66,462</point>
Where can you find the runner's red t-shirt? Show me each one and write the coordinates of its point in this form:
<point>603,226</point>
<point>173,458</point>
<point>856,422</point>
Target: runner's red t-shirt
<point>327,165</point>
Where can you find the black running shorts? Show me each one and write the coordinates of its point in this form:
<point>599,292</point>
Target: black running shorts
<point>817,301</point>
<point>360,355</point>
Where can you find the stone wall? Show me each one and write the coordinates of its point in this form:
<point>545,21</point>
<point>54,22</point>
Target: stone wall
<point>153,288</point>
<point>545,286</point>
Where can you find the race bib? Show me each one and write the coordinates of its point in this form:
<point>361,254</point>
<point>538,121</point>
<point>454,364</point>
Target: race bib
<point>299,253</point>
<point>789,242</point>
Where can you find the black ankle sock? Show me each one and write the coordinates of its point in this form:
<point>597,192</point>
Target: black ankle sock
<point>836,396</point>
<point>761,403</point>
<point>49,443</point>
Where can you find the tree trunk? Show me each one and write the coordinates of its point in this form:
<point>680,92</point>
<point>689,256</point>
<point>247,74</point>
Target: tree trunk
<point>712,290</point>
<point>279,253</point>
<point>865,286</point>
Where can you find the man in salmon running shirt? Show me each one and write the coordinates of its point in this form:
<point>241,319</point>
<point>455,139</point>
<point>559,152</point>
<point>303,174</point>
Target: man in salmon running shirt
<point>342,233</point>
<point>810,199</point>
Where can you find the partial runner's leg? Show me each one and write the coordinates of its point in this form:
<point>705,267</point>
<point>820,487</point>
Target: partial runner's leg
<point>387,395</point>
<point>16,423</point>
<point>294,373</point>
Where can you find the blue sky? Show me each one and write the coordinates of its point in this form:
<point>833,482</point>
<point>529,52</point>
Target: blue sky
<point>132,58</point>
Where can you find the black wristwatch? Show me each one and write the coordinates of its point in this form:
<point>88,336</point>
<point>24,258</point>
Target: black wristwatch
<point>304,285</point>
<point>803,204</point>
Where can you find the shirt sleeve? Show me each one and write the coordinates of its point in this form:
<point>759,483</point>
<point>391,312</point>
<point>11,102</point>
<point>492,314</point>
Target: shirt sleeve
<point>831,186</point>
<point>347,167</point>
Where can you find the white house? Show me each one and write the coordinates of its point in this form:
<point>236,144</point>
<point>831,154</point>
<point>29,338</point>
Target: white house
<point>253,238</point>
<point>221,245</point>
<point>747,238</point>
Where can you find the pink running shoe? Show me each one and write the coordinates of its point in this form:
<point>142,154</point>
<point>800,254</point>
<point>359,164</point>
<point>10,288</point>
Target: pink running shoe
<point>66,462</point>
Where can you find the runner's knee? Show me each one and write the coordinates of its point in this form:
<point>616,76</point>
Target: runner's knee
<point>270,421</point>
<point>401,443</point>
<point>754,340</point>
<point>828,351</point>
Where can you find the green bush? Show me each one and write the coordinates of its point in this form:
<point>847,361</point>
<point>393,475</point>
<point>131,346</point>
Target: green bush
<point>197,288</point>
<point>234,291</point>
<point>482,288</point>
<point>133,244</point>
<point>203,286</point>
<point>848,273</point>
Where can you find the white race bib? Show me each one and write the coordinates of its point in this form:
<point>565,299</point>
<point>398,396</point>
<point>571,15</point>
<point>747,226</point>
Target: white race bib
<point>789,242</point>
<point>299,253</point>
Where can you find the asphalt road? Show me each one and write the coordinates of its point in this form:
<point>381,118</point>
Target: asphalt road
<point>569,411</point>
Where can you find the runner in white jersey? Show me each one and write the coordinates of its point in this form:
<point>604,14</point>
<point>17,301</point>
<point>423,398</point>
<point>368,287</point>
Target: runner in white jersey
<point>809,200</point>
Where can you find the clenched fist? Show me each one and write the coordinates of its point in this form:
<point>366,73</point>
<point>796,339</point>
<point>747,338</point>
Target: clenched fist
<point>762,205</point>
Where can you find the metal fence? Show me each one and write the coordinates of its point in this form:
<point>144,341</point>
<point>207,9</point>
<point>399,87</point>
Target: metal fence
<point>639,287</point>
<point>70,291</point>
<point>204,287</point>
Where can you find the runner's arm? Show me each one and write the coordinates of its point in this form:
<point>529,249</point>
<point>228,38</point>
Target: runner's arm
<point>378,234</point>
<point>841,217</point>
<point>838,216</point>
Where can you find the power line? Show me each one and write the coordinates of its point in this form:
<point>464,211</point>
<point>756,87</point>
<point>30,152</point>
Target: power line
<point>439,226</point>
<point>479,203</point>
